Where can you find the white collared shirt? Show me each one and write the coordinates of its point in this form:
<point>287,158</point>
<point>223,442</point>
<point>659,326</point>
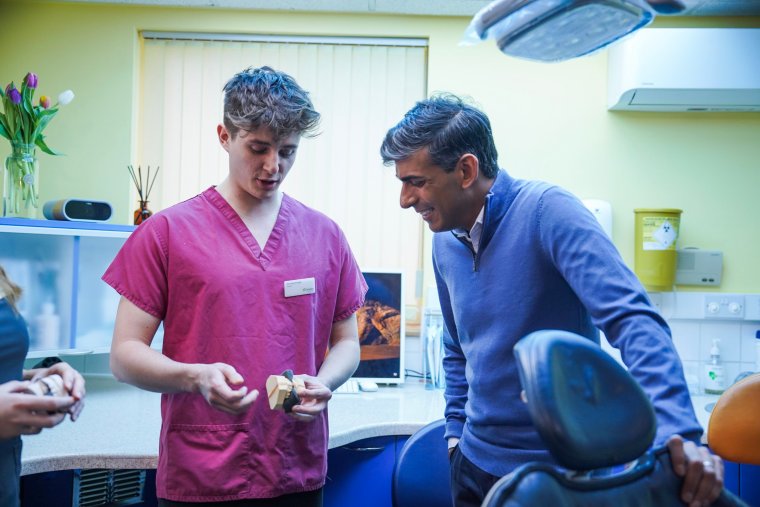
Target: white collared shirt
<point>473,235</point>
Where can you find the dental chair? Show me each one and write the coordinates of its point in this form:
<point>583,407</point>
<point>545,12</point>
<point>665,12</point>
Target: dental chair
<point>421,476</point>
<point>598,425</point>
<point>734,429</point>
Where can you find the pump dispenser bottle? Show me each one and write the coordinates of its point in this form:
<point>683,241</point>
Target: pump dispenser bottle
<point>47,328</point>
<point>713,377</point>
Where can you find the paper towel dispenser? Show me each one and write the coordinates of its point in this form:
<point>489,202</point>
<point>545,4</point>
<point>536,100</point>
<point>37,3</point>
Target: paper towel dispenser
<point>686,69</point>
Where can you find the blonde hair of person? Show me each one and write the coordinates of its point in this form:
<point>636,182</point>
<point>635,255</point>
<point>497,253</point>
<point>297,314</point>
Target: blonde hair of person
<point>10,290</point>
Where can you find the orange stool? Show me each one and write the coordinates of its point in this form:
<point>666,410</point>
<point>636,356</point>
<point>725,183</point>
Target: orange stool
<point>734,429</point>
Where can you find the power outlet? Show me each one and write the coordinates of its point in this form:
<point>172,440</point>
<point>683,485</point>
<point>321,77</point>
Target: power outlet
<point>724,307</point>
<point>656,299</point>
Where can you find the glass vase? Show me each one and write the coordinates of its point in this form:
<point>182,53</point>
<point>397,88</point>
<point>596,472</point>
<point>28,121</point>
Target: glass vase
<point>142,213</point>
<point>21,182</point>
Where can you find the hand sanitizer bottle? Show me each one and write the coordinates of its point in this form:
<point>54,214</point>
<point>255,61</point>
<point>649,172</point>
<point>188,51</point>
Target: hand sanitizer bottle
<point>714,379</point>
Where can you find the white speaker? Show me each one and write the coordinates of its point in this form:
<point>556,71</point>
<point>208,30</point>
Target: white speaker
<point>77,210</point>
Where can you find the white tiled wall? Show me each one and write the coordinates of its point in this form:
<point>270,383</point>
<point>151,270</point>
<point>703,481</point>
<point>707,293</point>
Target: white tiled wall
<point>693,340</point>
<point>693,333</point>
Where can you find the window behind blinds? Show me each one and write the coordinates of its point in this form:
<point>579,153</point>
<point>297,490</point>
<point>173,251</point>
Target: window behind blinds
<point>361,87</point>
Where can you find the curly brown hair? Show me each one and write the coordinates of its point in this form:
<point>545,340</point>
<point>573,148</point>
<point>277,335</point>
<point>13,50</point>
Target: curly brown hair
<point>265,97</point>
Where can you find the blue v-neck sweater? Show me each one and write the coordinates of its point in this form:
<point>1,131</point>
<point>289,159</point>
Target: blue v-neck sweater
<point>543,263</point>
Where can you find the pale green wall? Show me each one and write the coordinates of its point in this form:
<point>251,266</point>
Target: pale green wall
<point>550,121</point>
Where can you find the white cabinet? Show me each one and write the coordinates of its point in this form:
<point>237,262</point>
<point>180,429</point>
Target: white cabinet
<point>59,264</point>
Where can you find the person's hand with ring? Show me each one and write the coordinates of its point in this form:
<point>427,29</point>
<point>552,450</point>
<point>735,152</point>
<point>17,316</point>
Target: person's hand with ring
<point>701,470</point>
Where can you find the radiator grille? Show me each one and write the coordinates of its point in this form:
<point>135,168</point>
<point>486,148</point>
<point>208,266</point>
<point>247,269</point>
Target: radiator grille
<point>108,487</point>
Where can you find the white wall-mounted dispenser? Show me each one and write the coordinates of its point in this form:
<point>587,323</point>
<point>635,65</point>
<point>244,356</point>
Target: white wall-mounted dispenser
<point>602,211</point>
<point>686,69</point>
<point>699,267</point>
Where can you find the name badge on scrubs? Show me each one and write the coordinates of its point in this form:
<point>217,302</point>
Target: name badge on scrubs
<point>300,287</point>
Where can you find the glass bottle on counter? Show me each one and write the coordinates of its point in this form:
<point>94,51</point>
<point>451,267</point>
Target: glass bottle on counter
<point>47,326</point>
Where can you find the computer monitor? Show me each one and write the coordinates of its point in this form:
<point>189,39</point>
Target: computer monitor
<point>381,329</point>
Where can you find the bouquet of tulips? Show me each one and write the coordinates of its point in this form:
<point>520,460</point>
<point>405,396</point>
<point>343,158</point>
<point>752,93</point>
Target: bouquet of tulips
<point>22,121</point>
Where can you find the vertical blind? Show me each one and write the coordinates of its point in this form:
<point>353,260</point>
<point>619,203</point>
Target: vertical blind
<point>361,88</point>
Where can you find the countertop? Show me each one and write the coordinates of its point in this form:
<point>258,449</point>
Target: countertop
<point>119,426</point>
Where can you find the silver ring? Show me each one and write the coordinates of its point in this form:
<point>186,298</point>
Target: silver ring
<point>707,463</point>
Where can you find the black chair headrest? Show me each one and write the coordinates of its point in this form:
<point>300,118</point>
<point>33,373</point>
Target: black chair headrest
<point>588,410</point>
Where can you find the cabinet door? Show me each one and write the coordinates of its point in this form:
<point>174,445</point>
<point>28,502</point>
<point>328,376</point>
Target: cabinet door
<point>749,484</point>
<point>51,489</point>
<point>58,265</point>
<point>96,301</point>
<point>42,265</point>
<point>59,489</point>
<point>360,473</point>
<point>731,477</point>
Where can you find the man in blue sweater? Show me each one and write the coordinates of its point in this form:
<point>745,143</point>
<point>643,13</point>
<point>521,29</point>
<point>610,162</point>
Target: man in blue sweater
<point>511,257</point>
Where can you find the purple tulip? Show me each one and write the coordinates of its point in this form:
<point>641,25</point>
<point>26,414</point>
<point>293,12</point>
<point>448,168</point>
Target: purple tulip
<point>31,80</point>
<point>8,88</point>
<point>14,95</point>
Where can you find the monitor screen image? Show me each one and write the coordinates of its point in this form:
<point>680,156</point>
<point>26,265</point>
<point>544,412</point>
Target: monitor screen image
<point>381,329</point>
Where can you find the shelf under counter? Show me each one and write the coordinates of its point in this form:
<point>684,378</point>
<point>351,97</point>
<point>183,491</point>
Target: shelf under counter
<point>65,227</point>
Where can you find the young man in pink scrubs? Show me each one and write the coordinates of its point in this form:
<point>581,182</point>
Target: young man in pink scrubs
<point>248,282</point>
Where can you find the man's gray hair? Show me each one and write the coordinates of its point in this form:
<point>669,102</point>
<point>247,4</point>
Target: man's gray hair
<point>448,128</point>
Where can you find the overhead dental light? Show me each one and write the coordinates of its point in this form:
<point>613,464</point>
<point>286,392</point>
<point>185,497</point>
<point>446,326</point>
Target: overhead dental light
<point>556,30</point>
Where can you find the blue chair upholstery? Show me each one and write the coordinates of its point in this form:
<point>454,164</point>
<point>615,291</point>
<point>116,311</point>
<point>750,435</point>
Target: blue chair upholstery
<point>421,474</point>
<point>597,423</point>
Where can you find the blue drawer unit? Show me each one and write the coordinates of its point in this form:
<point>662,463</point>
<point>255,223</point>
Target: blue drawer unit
<point>744,481</point>
<point>360,473</point>
<point>731,477</point>
<point>80,488</point>
<point>749,484</point>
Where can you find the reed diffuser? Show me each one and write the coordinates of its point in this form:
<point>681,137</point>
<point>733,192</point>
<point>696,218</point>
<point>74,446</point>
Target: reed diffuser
<point>143,192</point>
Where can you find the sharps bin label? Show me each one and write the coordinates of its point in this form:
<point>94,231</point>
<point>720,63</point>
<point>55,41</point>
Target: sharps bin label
<point>659,233</point>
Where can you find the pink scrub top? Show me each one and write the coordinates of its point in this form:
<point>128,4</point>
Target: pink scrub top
<point>197,267</point>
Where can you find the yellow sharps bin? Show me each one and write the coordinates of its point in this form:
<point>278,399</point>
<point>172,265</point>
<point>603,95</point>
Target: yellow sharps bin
<point>655,247</point>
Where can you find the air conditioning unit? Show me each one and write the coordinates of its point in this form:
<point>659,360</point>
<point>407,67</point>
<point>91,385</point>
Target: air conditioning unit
<point>686,69</point>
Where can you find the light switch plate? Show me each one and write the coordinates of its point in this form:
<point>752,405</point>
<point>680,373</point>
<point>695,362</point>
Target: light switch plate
<point>724,306</point>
